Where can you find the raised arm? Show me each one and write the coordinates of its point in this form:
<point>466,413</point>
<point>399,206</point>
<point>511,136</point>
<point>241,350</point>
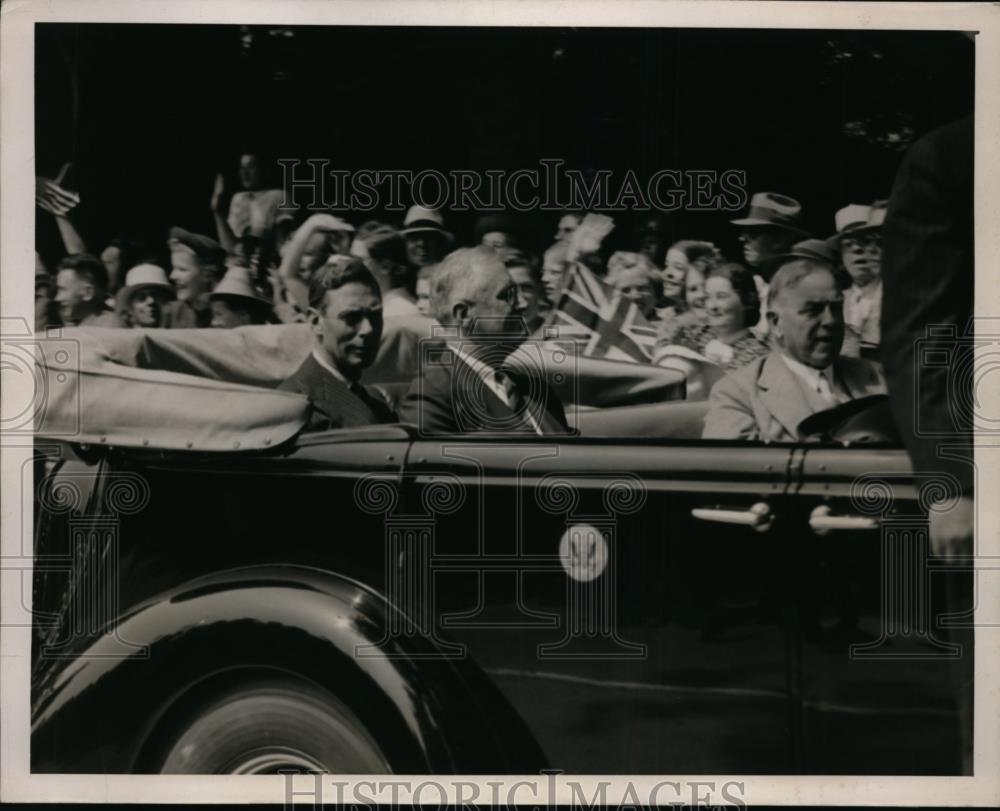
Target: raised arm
<point>50,196</point>
<point>291,261</point>
<point>226,236</point>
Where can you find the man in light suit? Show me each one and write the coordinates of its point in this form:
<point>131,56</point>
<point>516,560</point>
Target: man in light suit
<point>463,385</point>
<point>345,311</point>
<point>804,374</point>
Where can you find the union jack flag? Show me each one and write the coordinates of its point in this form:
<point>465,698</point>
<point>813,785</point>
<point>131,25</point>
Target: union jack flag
<point>606,324</point>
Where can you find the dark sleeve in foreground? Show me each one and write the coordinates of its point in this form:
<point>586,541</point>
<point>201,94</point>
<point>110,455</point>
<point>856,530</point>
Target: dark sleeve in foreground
<point>428,405</point>
<point>927,268</point>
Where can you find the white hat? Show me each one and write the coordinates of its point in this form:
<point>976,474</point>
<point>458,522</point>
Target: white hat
<point>146,275</point>
<point>419,219</point>
<point>855,217</point>
<point>237,282</point>
<point>851,217</point>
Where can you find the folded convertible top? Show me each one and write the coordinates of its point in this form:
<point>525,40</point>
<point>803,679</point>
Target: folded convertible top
<point>214,389</point>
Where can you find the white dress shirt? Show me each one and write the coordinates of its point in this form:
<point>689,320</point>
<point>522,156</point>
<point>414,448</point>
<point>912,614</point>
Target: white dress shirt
<point>822,382</point>
<point>254,211</point>
<point>322,359</point>
<point>863,310</point>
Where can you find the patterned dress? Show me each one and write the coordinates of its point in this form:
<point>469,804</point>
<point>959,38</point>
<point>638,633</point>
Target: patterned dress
<point>704,340</point>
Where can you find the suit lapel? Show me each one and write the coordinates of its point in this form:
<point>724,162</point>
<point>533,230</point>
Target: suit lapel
<point>781,394</point>
<point>335,399</point>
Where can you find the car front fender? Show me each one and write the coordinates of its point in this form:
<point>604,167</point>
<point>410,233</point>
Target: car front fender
<point>107,709</point>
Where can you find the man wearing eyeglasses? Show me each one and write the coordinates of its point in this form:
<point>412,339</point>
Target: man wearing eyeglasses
<point>859,237</point>
<point>463,385</point>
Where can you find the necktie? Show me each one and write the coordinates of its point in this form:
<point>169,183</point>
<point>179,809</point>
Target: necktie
<point>515,400</point>
<point>825,390</point>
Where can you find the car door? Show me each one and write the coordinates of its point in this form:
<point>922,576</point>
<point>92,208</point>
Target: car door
<point>630,597</point>
<point>882,673</point>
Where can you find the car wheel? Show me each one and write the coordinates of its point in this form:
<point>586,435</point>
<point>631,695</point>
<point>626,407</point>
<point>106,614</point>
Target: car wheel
<point>267,727</point>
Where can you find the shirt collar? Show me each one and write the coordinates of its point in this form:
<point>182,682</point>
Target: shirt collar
<point>871,289</point>
<point>809,374</point>
<point>486,372</point>
<point>324,361</point>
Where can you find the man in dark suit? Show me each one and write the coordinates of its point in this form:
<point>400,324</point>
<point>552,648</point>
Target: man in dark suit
<point>463,385</point>
<point>928,276</point>
<point>345,310</point>
<point>805,374</point>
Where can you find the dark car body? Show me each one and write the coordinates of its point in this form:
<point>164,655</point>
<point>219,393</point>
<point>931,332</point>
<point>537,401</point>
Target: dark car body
<point>503,604</point>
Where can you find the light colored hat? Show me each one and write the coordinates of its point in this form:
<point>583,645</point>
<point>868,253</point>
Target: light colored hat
<point>146,275</point>
<point>419,219</point>
<point>851,218</point>
<point>855,217</point>
<point>237,282</point>
<point>776,210</point>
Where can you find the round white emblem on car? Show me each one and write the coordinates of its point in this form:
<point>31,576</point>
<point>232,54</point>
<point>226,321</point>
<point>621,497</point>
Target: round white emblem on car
<point>583,552</point>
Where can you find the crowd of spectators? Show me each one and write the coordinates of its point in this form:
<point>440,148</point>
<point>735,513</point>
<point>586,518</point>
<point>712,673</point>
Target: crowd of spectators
<point>714,315</point>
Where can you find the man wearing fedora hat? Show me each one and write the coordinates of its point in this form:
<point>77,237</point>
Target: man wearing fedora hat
<point>427,240</point>
<point>142,300</point>
<point>237,303</point>
<point>345,311</point>
<point>859,240</point>
<point>771,227</point>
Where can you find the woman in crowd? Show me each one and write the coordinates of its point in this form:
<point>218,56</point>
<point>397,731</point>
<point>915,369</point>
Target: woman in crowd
<point>319,238</point>
<point>196,264</point>
<point>690,308</point>
<point>681,257</point>
<point>708,349</point>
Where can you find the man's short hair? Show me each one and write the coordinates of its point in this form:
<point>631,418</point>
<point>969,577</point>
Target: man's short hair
<point>516,258</point>
<point>88,268</point>
<point>790,274</point>
<point>455,279</point>
<point>335,275</point>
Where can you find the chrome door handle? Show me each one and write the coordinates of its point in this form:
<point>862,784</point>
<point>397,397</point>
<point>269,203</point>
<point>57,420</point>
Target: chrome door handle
<point>759,517</point>
<point>823,522</point>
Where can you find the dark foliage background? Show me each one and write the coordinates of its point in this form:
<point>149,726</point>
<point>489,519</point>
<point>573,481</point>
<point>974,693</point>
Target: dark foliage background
<point>149,113</point>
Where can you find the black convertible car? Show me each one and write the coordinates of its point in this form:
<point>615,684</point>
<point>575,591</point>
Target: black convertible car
<point>368,601</point>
